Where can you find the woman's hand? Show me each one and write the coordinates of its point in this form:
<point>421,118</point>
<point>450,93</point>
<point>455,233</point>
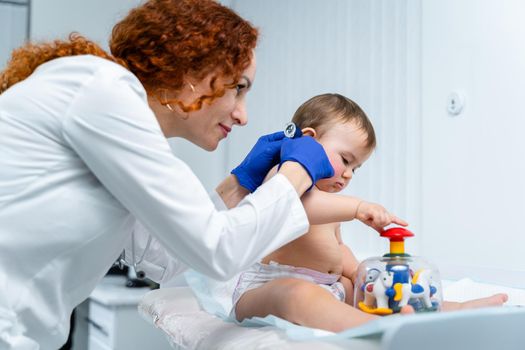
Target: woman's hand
<point>377,217</point>
<point>262,157</point>
<point>310,154</point>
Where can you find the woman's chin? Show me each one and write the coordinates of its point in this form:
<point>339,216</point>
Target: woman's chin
<point>210,147</point>
<point>206,145</point>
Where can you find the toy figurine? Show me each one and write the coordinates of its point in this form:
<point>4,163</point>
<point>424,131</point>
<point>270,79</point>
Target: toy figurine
<point>378,292</point>
<point>419,288</point>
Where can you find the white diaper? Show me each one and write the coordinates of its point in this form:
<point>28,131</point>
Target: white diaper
<point>258,274</point>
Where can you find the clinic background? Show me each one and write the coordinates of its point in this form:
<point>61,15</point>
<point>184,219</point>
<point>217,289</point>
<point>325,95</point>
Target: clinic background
<point>458,179</point>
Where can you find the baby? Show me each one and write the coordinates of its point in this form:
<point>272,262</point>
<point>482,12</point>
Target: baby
<point>310,280</point>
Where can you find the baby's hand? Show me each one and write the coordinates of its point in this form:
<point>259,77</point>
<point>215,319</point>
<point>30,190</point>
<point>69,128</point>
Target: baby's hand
<point>377,217</point>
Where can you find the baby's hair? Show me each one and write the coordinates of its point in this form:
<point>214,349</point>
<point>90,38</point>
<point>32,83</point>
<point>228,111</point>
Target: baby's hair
<point>322,111</point>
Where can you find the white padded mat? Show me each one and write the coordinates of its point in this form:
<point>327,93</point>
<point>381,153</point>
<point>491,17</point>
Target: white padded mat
<point>177,312</point>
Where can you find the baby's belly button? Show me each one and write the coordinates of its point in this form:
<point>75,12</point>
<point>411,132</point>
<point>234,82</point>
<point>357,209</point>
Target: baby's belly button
<point>335,271</point>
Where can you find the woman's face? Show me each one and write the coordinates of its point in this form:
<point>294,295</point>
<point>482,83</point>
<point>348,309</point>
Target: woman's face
<point>207,126</point>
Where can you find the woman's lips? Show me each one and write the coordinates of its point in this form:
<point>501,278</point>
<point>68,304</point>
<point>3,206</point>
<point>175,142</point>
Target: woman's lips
<point>225,129</point>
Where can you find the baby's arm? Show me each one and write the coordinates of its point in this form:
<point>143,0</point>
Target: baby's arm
<point>323,207</point>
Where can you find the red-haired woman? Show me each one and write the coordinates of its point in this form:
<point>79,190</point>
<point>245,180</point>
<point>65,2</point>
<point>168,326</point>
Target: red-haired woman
<point>84,157</point>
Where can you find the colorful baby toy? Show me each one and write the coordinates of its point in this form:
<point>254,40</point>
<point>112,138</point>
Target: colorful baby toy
<point>385,284</point>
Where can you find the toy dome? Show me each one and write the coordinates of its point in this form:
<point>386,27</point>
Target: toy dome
<point>385,284</point>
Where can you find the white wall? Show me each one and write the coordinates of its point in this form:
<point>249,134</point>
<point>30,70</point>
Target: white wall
<point>52,19</point>
<point>458,180</point>
<point>13,27</point>
<point>366,50</point>
<point>473,164</point>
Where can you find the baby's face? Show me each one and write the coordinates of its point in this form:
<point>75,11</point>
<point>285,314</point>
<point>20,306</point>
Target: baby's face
<point>345,145</point>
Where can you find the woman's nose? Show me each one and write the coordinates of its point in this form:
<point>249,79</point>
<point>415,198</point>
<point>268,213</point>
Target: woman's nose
<point>239,114</point>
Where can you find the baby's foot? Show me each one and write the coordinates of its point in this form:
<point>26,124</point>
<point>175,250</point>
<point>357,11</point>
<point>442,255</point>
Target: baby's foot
<point>494,300</point>
<point>407,309</point>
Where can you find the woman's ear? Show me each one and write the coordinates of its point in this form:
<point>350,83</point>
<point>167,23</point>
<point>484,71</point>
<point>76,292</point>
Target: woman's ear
<point>309,132</point>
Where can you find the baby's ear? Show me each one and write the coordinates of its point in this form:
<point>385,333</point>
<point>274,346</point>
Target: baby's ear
<point>309,132</point>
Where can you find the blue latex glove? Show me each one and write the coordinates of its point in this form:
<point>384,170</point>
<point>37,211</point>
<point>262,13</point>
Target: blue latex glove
<point>310,154</point>
<point>262,157</point>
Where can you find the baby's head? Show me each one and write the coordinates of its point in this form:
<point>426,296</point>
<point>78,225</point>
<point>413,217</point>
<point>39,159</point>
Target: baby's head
<point>343,129</point>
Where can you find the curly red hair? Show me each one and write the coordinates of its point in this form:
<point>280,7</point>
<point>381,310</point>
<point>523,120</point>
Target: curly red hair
<point>27,58</point>
<point>162,42</point>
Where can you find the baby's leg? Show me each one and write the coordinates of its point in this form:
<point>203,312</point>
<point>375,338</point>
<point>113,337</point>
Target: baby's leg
<point>494,300</point>
<point>300,302</point>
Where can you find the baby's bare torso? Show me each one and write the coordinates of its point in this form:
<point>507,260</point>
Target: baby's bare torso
<point>319,250</point>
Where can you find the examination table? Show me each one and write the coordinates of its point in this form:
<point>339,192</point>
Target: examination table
<point>176,311</point>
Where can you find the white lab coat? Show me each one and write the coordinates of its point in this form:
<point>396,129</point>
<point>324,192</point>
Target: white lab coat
<point>157,262</point>
<point>83,158</point>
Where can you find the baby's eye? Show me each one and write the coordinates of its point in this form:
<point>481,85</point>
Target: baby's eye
<point>345,161</point>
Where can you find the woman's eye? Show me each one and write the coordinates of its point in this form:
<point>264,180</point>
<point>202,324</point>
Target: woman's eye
<point>239,88</point>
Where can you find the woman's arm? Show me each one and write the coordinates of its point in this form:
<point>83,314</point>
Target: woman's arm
<point>115,134</point>
<point>231,192</point>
